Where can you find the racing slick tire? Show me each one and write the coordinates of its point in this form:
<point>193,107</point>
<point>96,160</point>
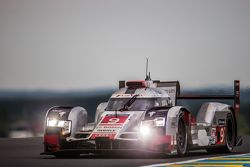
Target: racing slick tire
<point>229,138</point>
<point>182,136</point>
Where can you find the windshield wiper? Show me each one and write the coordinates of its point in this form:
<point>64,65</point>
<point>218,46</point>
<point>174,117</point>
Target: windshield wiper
<point>129,103</point>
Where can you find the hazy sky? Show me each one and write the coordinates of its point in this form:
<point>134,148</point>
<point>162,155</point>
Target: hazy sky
<point>67,45</point>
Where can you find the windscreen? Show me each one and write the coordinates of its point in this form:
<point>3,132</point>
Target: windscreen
<point>140,104</point>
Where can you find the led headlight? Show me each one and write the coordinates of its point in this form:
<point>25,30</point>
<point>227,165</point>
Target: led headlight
<point>159,121</point>
<point>65,125</point>
<point>52,122</point>
<point>145,130</point>
<point>147,127</point>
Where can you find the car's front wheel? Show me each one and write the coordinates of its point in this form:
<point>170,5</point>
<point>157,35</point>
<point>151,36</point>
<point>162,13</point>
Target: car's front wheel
<point>182,136</point>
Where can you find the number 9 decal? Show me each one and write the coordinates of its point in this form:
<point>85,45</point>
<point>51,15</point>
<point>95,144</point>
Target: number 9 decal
<point>113,120</point>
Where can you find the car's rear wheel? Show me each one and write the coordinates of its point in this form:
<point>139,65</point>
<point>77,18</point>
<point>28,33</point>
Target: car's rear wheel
<point>229,138</point>
<point>181,136</point>
<point>230,132</point>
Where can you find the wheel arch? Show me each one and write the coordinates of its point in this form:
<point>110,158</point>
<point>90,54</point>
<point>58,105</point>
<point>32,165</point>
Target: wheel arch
<point>77,115</point>
<point>183,114</point>
<point>172,118</point>
<point>177,110</point>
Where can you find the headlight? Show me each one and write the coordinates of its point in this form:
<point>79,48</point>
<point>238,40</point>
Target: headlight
<point>159,121</point>
<point>65,125</point>
<point>147,126</point>
<point>52,122</point>
<point>145,130</point>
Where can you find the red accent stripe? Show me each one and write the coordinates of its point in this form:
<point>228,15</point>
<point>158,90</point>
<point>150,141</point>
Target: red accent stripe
<point>193,120</point>
<point>51,139</point>
<point>187,117</point>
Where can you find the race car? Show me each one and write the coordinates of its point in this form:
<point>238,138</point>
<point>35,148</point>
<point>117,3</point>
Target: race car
<point>144,116</point>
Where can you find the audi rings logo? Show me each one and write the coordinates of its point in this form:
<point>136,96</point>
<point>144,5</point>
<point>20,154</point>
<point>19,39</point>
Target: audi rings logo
<point>113,120</point>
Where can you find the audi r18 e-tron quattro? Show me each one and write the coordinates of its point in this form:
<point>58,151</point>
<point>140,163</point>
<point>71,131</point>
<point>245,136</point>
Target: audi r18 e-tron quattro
<point>144,116</point>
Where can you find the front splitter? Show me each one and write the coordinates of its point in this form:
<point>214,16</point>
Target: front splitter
<point>105,151</point>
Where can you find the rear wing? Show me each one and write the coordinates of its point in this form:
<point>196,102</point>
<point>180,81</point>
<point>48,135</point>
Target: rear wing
<point>173,88</point>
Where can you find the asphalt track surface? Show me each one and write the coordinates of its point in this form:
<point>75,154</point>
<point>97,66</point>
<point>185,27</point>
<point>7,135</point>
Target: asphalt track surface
<point>26,152</point>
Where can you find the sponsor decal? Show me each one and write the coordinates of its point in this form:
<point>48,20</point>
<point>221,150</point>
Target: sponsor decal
<point>112,119</point>
<point>61,114</point>
<point>212,139</point>
<point>151,113</point>
<point>109,126</point>
<point>213,132</point>
<point>171,90</point>
<point>58,114</point>
<point>96,135</point>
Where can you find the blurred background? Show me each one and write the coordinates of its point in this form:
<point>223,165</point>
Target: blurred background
<point>58,52</point>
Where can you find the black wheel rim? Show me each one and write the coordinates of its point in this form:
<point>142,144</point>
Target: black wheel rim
<point>230,131</point>
<point>181,139</point>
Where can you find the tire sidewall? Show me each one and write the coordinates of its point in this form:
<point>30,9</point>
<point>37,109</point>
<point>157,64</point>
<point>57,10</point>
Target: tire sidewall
<point>230,147</point>
<point>182,151</point>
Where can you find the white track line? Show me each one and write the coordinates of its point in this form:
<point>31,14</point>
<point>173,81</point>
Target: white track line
<point>192,160</point>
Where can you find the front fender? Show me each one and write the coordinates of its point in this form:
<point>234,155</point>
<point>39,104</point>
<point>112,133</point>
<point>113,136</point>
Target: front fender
<point>77,116</point>
<point>172,119</point>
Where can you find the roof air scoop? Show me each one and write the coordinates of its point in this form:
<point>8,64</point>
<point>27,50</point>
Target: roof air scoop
<point>136,84</point>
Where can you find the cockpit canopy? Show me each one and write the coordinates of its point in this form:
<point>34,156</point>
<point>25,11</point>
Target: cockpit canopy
<point>145,98</point>
<point>140,104</point>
